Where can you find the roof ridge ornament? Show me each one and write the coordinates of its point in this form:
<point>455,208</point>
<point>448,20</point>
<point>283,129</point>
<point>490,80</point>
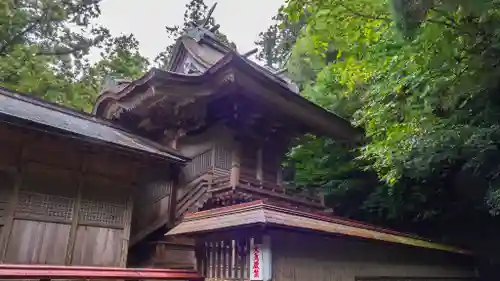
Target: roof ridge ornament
<point>209,15</point>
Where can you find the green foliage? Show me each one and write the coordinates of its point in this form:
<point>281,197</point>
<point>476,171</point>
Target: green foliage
<point>276,43</point>
<point>421,78</point>
<point>43,48</point>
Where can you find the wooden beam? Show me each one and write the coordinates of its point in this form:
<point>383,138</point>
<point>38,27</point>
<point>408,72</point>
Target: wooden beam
<point>11,271</point>
<point>260,171</point>
<point>126,231</point>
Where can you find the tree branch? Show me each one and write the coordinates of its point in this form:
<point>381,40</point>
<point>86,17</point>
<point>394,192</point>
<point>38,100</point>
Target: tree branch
<point>63,52</point>
<point>18,36</point>
<point>356,13</point>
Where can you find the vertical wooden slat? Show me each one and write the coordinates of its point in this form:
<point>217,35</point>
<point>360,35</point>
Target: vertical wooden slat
<point>76,210</point>
<point>227,249</point>
<point>217,260</point>
<point>239,259</point>
<point>212,259</point>
<point>204,259</point>
<point>233,259</point>
<point>223,259</point>
<point>246,260</point>
<point>126,231</point>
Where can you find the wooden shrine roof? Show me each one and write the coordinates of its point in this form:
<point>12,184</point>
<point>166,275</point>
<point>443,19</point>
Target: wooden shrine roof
<point>231,68</point>
<point>29,111</point>
<point>261,213</point>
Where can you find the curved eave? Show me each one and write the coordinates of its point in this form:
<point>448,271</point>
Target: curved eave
<point>323,121</point>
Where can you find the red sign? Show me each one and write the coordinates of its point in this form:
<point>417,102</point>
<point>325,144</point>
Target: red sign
<point>256,261</point>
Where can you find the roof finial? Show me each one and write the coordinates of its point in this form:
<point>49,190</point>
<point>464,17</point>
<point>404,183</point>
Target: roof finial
<point>209,15</point>
<point>249,53</point>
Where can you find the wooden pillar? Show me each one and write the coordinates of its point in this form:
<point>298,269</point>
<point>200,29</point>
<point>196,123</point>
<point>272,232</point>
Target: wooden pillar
<point>260,171</point>
<point>126,231</point>
<point>235,164</point>
<point>76,209</point>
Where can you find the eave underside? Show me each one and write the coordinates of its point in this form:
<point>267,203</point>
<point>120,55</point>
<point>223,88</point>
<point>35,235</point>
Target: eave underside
<point>234,72</point>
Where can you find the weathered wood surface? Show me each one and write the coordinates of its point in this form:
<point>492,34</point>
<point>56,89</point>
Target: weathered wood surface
<point>307,256</point>
<point>62,202</point>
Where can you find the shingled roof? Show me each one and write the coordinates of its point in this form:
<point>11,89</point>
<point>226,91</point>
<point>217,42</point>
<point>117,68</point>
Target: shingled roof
<point>259,213</point>
<point>20,108</point>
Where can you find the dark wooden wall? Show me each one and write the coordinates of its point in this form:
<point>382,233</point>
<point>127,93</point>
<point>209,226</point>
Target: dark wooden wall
<point>62,202</point>
<point>306,256</point>
<point>154,203</point>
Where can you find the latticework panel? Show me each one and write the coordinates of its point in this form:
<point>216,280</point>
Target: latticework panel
<point>103,204</point>
<point>105,213</point>
<point>43,205</point>
<point>46,194</point>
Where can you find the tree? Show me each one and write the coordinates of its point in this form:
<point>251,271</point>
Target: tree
<point>45,26</point>
<point>429,107</point>
<point>42,55</point>
<point>276,43</point>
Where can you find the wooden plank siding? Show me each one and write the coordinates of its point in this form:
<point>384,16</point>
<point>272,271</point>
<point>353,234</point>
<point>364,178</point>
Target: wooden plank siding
<point>307,256</point>
<point>301,256</point>
<point>62,202</point>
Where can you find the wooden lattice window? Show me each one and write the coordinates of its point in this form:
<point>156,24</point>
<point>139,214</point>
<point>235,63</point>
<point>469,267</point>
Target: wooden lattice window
<point>43,205</point>
<point>103,204</point>
<point>46,194</point>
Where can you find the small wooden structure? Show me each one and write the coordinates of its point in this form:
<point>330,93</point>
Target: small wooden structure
<point>261,241</point>
<point>68,184</point>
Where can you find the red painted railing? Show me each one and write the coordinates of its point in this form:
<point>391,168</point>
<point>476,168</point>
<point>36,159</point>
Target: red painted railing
<point>47,272</point>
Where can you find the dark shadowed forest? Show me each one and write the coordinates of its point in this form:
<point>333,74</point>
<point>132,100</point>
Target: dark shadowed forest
<point>420,77</point>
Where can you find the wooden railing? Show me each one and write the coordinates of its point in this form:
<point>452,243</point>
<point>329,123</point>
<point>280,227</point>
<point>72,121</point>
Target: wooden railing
<point>278,189</point>
<point>199,165</point>
<point>195,191</point>
<point>45,272</point>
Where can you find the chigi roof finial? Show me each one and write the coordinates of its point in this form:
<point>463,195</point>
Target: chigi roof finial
<point>209,15</point>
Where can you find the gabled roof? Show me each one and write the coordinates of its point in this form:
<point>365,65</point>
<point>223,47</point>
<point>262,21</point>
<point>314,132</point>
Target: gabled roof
<point>233,68</point>
<point>217,61</point>
<point>263,214</point>
<point>33,112</point>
